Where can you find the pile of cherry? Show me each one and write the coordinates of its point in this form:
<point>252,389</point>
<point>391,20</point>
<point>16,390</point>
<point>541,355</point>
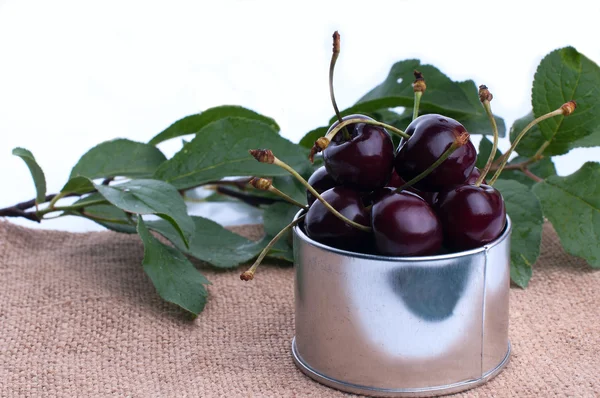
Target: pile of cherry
<point>364,179</point>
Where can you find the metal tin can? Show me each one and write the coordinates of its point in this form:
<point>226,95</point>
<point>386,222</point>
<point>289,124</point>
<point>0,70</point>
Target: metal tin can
<point>399,326</point>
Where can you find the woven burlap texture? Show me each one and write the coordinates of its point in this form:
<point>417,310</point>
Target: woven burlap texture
<point>79,318</point>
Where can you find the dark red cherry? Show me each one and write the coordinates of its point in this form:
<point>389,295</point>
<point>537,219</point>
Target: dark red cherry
<point>323,226</point>
<point>471,216</point>
<point>431,135</point>
<point>363,162</point>
<point>405,225</point>
<point>321,181</point>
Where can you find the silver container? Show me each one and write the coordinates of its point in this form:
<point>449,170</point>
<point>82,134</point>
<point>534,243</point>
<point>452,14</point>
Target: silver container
<point>399,326</point>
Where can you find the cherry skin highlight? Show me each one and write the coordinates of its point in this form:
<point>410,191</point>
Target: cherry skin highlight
<point>363,162</point>
<point>323,226</point>
<point>405,225</point>
<point>471,216</point>
<point>431,135</point>
<point>321,181</point>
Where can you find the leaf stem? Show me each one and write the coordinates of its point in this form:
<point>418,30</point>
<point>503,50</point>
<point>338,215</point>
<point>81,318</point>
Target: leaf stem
<point>49,209</point>
<point>485,97</point>
<point>453,147</point>
<point>529,174</point>
<point>55,199</point>
<point>565,110</point>
<point>249,275</point>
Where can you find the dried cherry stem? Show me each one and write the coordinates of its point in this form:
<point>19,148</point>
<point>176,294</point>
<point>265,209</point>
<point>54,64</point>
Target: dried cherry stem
<point>460,141</point>
<point>267,156</point>
<point>334,56</point>
<point>485,97</point>
<point>249,275</point>
<point>565,110</point>
<point>266,184</point>
<point>419,88</point>
<point>323,142</point>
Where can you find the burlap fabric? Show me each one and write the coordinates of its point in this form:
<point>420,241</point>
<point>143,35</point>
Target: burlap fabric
<point>79,318</point>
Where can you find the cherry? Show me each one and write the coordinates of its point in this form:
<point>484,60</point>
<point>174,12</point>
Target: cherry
<point>364,160</point>
<point>323,226</point>
<point>321,181</point>
<point>431,135</point>
<point>472,216</point>
<point>405,225</point>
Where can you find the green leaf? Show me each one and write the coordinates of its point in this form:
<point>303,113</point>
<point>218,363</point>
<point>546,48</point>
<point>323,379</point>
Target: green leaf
<point>458,100</point>
<point>175,278</point>
<point>589,141</point>
<point>221,150</point>
<point>194,123</point>
<point>309,139</point>
<point>36,171</point>
<point>102,213</point>
<point>396,90</point>
<point>562,76</point>
<point>485,148</point>
<point>79,185</point>
<point>211,243</point>
<point>119,157</point>
<point>531,141</point>
<point>572,204</point>
<point>151,197</point>
<point>524,209</point>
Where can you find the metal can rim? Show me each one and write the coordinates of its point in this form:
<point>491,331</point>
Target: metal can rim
<point>505,234</point>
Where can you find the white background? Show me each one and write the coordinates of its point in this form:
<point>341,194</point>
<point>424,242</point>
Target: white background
<point>76,73</point>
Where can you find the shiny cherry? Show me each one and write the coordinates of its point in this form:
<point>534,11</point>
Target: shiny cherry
<point>323,226</point>
<point>471,216</point>
<point>321,181</point>
<point>431,135</point>
<point>405,225</point>
<point>363,161</point>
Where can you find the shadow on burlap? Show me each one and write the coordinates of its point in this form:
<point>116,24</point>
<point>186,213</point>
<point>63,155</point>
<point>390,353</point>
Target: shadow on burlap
<point>79,318</point>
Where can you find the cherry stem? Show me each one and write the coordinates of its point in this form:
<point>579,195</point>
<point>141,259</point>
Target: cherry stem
<point>267,156</point>
<point>418,95</point>
<point>339,215</point>
<point>329,136</point>
<point>565,110</point>
<point>419,88</point>
<point>453,147</point>
<point>249,275</point>
<point>287,198</point>
<point>323,142</point>
<point>486,97</point>
<point>334,57</point>
<point>266,184</point>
